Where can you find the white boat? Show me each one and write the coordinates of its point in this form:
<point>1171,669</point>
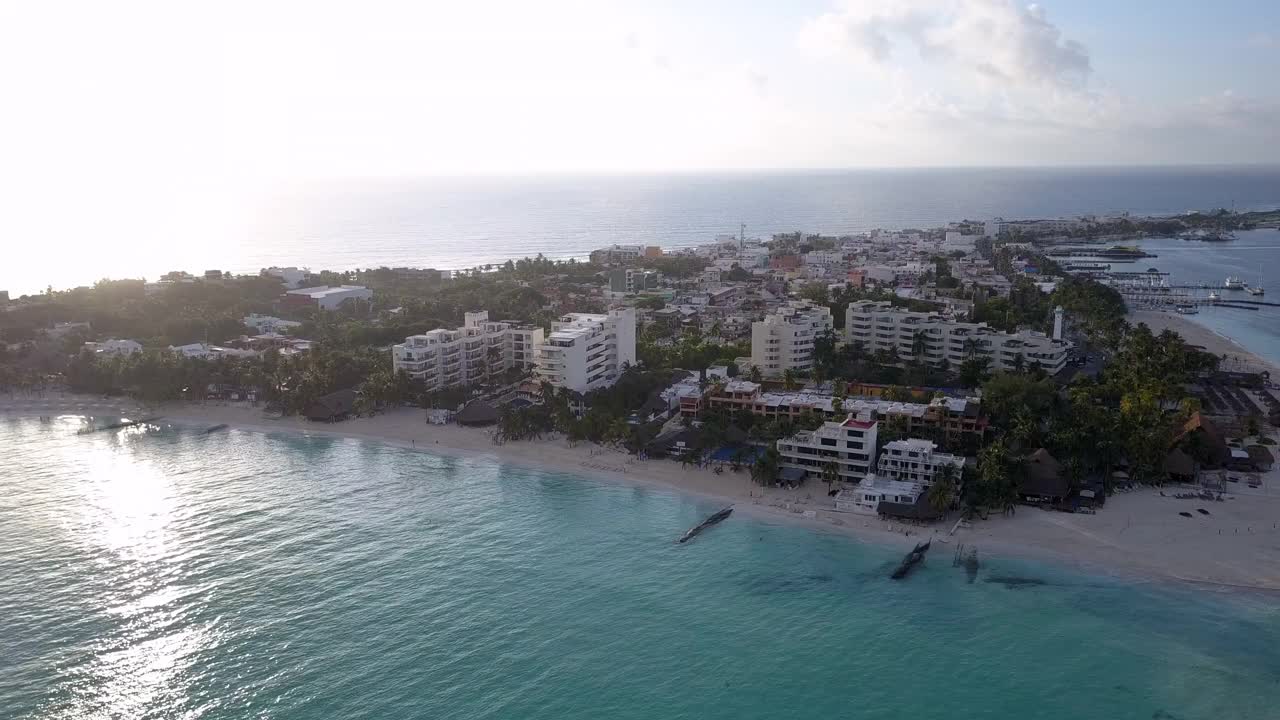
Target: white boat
<point>1186,309</point>
<point>1256,290</point>
<point>1233,283</point>
<point>1214,297</point>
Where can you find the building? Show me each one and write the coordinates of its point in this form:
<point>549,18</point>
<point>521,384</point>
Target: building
<point>1000,226</point>
<point>468,355</point>
<point>949,417</point>
<point>114,347</point>
<point>872,490</point>
<point>292,277</point>
<point>269,324</point>
<point>327,298</point>
<point>916,461</point>
<point>585,351</point>
<point>783,340</point>
<point>878,325</point>
<point>4,296</point>
<point>628,280</point>
<point>205,351</point>
<point>623,254</point>
<point>849,443</point>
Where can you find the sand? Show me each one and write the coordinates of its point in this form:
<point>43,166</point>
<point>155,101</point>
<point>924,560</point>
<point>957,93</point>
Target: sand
<point>1138,534</point>
<point>1236,356</point>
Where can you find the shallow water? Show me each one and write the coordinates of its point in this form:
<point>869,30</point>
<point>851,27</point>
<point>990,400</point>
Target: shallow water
<point>169,574</point>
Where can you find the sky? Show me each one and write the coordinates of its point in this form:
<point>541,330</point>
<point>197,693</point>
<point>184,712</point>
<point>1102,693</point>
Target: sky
<point>172,110</point>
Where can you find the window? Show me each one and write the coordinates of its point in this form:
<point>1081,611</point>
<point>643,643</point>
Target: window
<point>829,442</point>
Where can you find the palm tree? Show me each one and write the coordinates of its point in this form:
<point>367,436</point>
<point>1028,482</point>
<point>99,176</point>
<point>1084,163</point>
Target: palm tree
<point>789,379</point>
<point>919,345</point>
<point>765,468</point>
<point>943,489</point>
<point>830,473</point>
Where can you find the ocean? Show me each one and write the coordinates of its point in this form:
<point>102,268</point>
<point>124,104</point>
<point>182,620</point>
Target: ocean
<point>1254,257</point>
<point>464,222</point>
<point>172,574</point>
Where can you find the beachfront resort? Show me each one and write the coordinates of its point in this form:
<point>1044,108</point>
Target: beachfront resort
<point>918,377</point>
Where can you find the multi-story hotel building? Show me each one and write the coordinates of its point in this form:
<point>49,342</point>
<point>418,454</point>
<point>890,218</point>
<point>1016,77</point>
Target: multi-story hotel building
<point>586,352</point>
<point>878,325</point>
<point>915,460</point>
<point>849,443</point>
<point>784,340</point>
<point>468,355</point>
<point>952,417</point>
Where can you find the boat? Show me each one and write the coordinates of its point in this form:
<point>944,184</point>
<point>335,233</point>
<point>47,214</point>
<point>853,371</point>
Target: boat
<point>715,517</point>
<point>912,559</point>
<point>1255,290</point>
<point>1186,309</point>
<point>1214,297</point>
<point>1233,283</point>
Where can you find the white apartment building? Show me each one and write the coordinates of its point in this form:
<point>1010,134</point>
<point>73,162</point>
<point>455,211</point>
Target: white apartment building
<point>269,324</point>
<point>850,443</point>
<point>114,347</point>
<point>878,325</point>
<point>873,490</point>
<point>622,254</point>
<point>916,460</point>
<point>784,340</point>
<point>292,277</point>
<point>586,351</point>
<point>823,257</point>
<point>906,470</point>
<point>468,355</point>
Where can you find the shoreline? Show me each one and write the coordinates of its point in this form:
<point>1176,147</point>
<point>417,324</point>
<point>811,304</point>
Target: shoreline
<point>1211,340</point>
<point>1138,536</point>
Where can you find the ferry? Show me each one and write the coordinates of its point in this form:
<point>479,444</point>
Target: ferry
<point>1186,309</point>
<point>1233,283</point>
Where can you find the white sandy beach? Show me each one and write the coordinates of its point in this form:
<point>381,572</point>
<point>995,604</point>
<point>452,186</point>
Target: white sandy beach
<point>1138,534</point>
<point>1196,334</point>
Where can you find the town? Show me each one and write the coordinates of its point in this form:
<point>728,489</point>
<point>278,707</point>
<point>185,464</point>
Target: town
<point>909,375</point>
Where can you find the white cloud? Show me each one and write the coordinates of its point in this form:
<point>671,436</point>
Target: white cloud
<point>987,40</point>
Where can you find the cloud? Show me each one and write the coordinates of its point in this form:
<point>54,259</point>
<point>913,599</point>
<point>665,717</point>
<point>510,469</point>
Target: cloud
<point>996,41</point>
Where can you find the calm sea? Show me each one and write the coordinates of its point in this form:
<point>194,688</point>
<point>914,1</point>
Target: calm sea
<point>170,574</point>
<point>1254,257</point>
<point>456,223</point>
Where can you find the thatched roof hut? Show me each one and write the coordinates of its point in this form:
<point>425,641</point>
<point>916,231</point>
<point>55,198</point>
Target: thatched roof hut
<point>332,407</point>
<point>476,413</point>
<point>1179,467</point>
<point>1042,479</point>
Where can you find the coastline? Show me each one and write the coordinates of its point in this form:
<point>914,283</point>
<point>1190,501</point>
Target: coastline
<point>1211,340</point>
<point>1137,536</point>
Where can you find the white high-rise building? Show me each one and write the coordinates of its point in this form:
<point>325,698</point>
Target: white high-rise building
<point>471,354</point>
<point>878,325</point>
<point>586,352</point>
<point>784,340</point>
<point>849,443</point>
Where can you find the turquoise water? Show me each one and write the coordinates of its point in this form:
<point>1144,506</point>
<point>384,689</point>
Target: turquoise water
<point>169,574</point>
